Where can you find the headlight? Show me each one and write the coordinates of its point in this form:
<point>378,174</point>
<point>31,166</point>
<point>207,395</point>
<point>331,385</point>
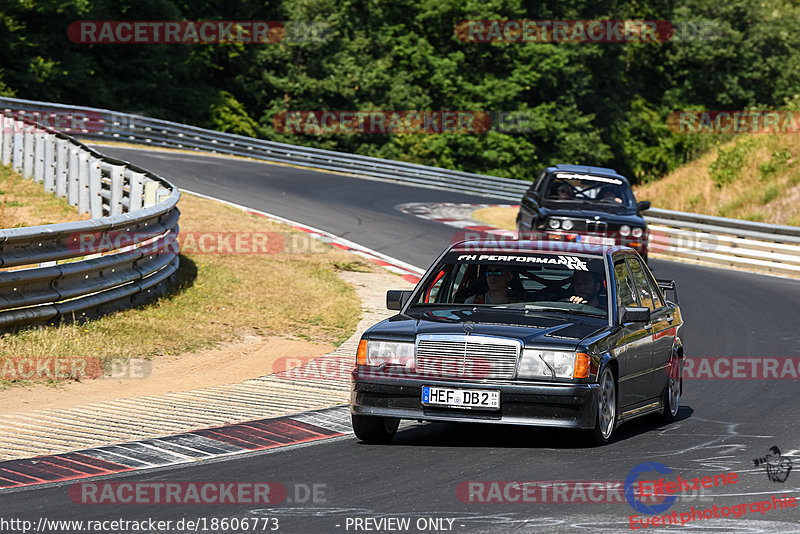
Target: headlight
<point>637,232</point>
<point>567,225</point>
<point>391,353</point>
<point>553,223</point>
<point>625,230</point>
<point>552,364</point>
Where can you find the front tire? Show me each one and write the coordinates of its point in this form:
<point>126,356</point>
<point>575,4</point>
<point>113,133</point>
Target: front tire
<point>606,418</point>
<point>374,429</point>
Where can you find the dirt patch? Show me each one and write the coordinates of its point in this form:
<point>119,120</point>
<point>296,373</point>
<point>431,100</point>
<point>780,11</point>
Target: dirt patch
<point>234,362</point>
<point>505,218</point>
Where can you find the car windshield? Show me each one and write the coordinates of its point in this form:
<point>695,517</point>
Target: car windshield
<point>526,281</point>
<point>587,188</point>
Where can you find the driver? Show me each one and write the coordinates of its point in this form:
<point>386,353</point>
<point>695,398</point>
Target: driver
<point>586,286</point>
<point>564,192</point>
<point>498,279</point>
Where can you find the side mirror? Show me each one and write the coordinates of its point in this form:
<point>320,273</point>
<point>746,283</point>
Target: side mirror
<point>644,205</point>
<point>635,315</point>
<point>396,299</point>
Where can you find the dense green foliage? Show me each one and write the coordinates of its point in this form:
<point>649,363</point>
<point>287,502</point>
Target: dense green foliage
<point>601,104</point>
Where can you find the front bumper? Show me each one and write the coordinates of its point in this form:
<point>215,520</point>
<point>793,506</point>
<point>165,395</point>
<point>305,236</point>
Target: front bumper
<point>521,403</point>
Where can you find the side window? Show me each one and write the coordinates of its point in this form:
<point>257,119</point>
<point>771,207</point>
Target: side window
<point>645,291</point>
<point>626,291</point>
<point>537,185</point>
<point>658,299</point>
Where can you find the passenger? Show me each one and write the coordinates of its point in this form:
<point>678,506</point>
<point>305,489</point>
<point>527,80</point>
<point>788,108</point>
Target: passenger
<point>586,286</point>
<point>498,279</point>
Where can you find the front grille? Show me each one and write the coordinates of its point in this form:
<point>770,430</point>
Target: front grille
<point>596,227</point>
<point>462,356</point>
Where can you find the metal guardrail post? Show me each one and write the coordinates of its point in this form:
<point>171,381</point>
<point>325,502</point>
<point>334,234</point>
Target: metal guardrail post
<point>117,183</point>
<point>28,154</point>
<point>73,174</point>
<point>18,149</point>
<point>7,141</point>
<point>62,167</point>
<point>137,190</point>
<point>95,188</point>
<point>83,183</point>
<point>49,163</point>
<point>150,193</point>
<point>38,162</point>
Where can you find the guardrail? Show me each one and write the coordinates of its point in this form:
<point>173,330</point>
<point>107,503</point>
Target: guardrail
<point>113,126</point>
<point>725,242</point>
<point>124,255</point>
<point>685,236</point>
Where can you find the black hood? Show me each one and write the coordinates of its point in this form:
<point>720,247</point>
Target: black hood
<point>562,331</point>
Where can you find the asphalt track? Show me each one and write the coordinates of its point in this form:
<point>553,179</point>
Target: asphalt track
<point>723,424</point>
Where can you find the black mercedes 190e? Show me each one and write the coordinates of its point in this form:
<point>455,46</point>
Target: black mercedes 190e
<point>583,204</point>
<point>520,333</point>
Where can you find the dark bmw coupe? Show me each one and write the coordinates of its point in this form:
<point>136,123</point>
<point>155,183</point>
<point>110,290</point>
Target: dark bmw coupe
<point>564,335</point>
<point>584,205</point>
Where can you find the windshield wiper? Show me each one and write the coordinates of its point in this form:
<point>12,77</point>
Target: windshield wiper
<point>533,307</point>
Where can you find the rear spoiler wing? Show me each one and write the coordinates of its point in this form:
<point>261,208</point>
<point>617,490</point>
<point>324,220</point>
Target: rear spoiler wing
<point>669,285</point>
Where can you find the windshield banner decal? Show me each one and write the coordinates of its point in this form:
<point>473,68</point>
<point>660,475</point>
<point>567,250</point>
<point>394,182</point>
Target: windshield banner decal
<point>570,262</point>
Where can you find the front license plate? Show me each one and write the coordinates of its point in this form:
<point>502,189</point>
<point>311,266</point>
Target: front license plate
<point>461,398</point>
<point>596,240</point>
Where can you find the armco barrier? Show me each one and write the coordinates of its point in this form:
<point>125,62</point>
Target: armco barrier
<point>114,126</point>
<point>725,242</point>
<point>59,280</point>
<point>682,236</point>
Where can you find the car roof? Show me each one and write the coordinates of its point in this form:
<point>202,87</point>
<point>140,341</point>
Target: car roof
<point>540,247</point>
<point>587,169</point>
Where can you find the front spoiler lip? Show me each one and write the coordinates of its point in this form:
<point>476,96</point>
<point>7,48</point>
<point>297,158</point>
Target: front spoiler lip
<point>457,418</point>
<point>554,389</point>
<point>534,404</point>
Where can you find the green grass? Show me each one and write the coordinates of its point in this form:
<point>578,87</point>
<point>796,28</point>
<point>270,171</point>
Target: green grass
<point>754,216</point>
<point>727,167</point>
<point>770,194</point>
<point>24,203</point>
